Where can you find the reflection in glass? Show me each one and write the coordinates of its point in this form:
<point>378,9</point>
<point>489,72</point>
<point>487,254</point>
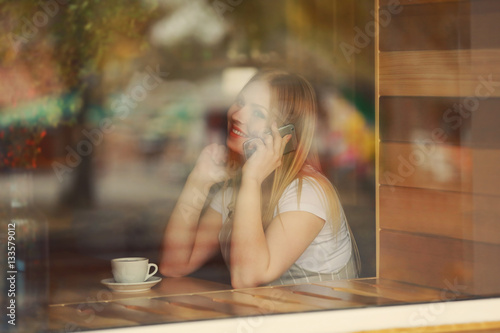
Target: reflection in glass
<point>129,93</point>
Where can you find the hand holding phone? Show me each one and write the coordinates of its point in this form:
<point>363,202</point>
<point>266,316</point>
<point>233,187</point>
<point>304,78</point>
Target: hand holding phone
<point>250,148</point>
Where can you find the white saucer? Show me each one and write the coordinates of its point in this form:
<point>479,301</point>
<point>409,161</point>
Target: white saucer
<point>131,287</point>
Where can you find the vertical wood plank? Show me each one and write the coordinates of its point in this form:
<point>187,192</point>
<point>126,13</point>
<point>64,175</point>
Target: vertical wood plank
<point>456,215</point>
<point>439,73</point>
<point>440,262</point>
<point>411,28</point>
<point>426,165</point>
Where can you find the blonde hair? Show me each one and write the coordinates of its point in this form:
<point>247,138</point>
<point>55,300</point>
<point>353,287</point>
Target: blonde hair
<point>293,101</point>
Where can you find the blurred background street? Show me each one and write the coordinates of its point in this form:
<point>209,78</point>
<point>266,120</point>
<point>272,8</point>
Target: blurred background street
<point>120,97</point>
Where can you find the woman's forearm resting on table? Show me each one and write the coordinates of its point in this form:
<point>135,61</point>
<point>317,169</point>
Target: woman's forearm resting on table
<point>182,242</point>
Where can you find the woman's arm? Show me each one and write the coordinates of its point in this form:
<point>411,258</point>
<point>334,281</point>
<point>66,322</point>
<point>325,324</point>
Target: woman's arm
<point>191,239</point>
<point>259,256</point>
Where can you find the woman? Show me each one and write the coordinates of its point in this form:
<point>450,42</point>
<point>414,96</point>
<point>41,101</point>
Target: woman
<point>277,219</point>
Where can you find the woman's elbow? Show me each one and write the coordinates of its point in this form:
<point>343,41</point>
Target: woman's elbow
<point>239,282</point>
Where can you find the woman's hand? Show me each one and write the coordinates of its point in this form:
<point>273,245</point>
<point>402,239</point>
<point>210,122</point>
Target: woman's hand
<point>211,164</point>
<point>267,156</point>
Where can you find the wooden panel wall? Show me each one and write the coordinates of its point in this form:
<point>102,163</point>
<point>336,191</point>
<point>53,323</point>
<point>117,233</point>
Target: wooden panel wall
<point>439,143</point>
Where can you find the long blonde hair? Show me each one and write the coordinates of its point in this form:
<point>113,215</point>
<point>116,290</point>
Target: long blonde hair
<point>293,101</point>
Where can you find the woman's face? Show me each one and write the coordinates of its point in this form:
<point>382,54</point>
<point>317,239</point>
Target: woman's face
<point>249,116</point>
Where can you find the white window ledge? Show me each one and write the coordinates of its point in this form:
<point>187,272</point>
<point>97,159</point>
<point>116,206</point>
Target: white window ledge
<point>342,320</point>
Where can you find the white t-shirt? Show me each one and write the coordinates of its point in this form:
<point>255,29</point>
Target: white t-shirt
<point>328,252</point>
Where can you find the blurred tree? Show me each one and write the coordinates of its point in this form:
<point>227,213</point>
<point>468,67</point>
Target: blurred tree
<point>54,54</point>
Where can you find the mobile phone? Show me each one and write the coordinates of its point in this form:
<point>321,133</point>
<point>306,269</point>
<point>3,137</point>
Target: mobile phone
<point>250,148</point>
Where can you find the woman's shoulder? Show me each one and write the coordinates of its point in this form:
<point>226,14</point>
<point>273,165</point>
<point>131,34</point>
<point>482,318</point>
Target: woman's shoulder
<point>305,192</point>
<point>310,180</point>
<point>303,184</point>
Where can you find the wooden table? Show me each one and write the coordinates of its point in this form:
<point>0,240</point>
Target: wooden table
<point>87,304</point>
<point>78,300</point>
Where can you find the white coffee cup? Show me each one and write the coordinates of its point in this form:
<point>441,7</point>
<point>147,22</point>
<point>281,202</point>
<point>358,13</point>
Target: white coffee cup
<point>132,269</point>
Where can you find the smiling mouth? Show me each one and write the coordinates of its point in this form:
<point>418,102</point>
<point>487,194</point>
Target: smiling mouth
<point>238,132</point>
